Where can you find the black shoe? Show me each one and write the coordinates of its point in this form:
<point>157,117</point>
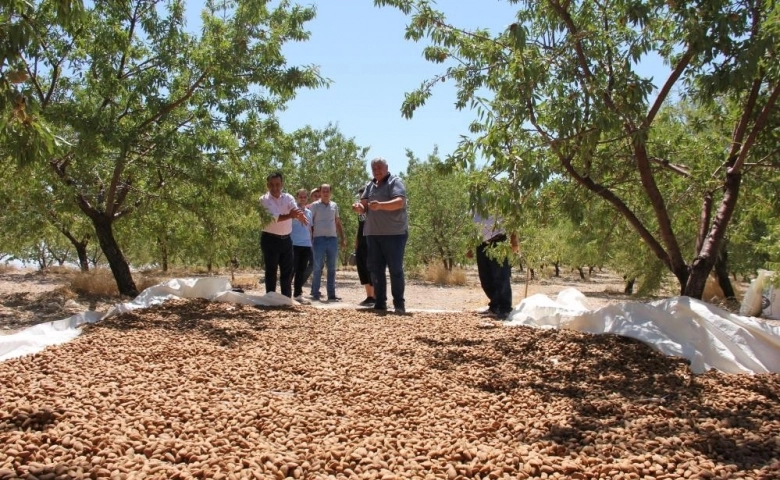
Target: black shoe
<point>368,302</point>
<point>500,315</point>
<point>399,311</point>
<point>334,299</point>
<point>380,308</point>
<point>486,313</point>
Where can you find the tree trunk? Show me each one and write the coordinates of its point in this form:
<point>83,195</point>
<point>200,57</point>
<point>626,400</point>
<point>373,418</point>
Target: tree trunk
<point>43,261</point>
<point>582,273</point>
<point>81,249</point>
<point>557,266</point>
<point>116,260</point>
<point>722,273</point>
<point>711,246</point>
<point>95,257</point>
<point>162,245</point>
<point>60,259</point>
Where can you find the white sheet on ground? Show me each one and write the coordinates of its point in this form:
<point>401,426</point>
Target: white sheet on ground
<point>36,338</point>
<point>708,336</point>
<point>704,334</point>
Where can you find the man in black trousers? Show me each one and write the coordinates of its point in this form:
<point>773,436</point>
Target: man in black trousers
<point>275,241</point>
<point>495,275</point>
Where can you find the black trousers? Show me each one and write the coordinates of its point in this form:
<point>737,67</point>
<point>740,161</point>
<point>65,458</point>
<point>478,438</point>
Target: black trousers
<point>309,266</point>
<point>361,259</point>
<point>495,278</point>
<point>277,254</point>
<point>301,259</point>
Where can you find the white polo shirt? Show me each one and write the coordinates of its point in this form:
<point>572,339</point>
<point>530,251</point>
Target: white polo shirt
<point>278,206</point>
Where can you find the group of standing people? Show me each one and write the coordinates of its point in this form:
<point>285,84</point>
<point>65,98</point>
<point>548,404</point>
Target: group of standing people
<point>300,232</point>
<point>305,238</point>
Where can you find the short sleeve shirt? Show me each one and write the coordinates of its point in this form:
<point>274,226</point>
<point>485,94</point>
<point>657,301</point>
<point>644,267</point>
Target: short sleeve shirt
<point>278,206</point>
<point>385,222</point>
<point>301,234</point>
<point>323,219</point>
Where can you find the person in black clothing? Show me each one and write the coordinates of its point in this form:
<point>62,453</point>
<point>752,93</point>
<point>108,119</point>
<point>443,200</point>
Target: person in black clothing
<point>361,255</point>
<point>495,275</point>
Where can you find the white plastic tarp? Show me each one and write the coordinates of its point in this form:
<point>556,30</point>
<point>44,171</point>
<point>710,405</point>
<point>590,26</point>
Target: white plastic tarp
<point>36,338</point>
<point>708,336</point>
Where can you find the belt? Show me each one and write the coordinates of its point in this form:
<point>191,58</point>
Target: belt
<point>280,237</point>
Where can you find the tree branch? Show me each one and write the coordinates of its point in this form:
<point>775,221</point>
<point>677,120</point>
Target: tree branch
<point>685,60</point>
<point>757,127</point>
<point>678,169</point>
<point>621,207</point>
<point>704,222</point>
<point>168,108</point>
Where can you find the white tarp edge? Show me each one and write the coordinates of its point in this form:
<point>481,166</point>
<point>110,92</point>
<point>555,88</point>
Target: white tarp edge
<point>36,338</point>
<point>708,336</point>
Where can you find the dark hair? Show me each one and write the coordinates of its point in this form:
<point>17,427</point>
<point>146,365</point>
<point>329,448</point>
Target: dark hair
<point>275,175</point>
<point>361,190</point>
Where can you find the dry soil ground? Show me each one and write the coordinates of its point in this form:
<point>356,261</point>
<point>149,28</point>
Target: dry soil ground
<point>28,297</point>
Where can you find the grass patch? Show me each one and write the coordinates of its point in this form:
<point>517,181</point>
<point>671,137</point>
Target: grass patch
<point>437,274</point>
<point>246,281</point>
<point>101,281</point>
<point>60,270</point>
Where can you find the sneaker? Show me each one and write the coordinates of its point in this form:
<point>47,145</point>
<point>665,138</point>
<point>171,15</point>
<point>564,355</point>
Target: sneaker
<point>399,311</point>
<point>315,298</point>
<point>501,315</point>
<point>334,299</point>
<point>380,308</point>
<point>302,300</point>
<point>486,313</point>
<point>368,302</point>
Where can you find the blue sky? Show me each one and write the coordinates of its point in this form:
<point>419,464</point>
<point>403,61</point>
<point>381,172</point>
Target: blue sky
<point>362,49</point>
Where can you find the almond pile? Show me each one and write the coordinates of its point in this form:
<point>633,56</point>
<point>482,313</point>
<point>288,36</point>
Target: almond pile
<point>192,389</point>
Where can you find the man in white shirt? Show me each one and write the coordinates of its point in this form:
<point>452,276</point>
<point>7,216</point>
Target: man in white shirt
<point>275,241</point>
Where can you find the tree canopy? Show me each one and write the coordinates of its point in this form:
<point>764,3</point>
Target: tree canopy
<point>559,94</point>
<point>143,104</point>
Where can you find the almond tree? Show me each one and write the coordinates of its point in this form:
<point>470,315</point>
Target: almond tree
<point>316,156</point>
<point>143,102</point>
<point>440,226</point>
<point>559,93</point>
<point>24,136</point>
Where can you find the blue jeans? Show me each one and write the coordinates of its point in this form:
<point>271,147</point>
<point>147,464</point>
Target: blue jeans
<point>325,249</point>
<point>386,252</point>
